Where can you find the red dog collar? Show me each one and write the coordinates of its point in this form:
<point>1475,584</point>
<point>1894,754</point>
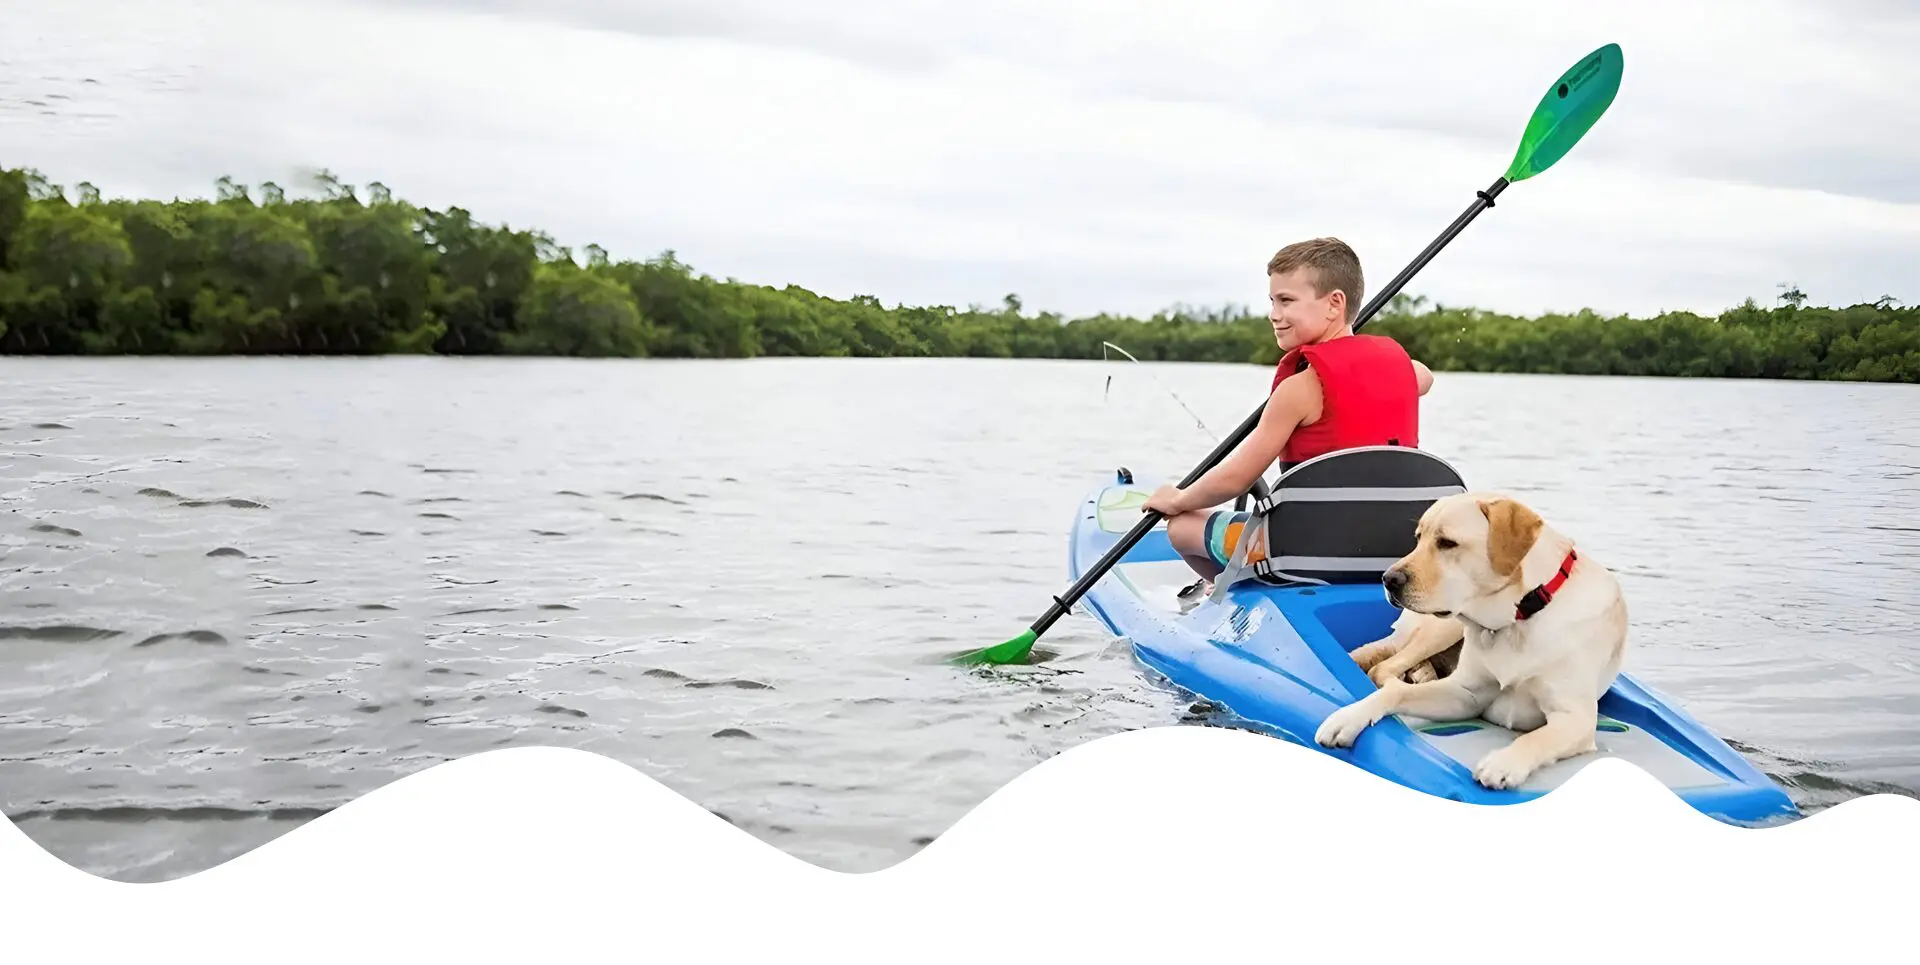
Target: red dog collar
<point>1540,596</point>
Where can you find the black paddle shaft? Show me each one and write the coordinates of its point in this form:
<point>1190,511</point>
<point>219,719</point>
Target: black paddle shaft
<point>1148,520</point>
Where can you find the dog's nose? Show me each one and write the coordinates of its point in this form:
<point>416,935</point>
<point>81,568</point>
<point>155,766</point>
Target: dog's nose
<point>1394,581</point>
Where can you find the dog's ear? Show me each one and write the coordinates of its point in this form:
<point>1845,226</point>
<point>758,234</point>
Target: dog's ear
<point>1511,530</point>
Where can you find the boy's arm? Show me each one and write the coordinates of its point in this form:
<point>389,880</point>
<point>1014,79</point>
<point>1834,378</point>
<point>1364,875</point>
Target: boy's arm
<point>1297,400</point>
<point>1422,376</point>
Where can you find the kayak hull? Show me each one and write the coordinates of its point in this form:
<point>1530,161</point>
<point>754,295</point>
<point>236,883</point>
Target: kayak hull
<point>1278,659</point>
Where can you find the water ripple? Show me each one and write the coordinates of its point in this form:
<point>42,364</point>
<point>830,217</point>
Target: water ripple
<point>247,592</point>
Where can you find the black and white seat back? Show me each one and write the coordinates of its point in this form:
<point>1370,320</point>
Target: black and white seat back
<point>1343,517</point>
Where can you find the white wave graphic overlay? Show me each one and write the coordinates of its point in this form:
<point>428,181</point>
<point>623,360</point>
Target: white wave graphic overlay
<point>1187,842</point>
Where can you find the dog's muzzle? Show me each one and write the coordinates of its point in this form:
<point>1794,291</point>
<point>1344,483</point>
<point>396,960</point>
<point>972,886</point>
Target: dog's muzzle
<point>1395,580</point>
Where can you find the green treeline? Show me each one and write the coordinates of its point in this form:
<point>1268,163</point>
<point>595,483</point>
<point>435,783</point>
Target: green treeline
<point>339,274</point>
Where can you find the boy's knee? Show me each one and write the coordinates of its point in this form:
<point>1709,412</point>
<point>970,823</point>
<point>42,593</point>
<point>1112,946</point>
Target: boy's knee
<point>1187,528</point>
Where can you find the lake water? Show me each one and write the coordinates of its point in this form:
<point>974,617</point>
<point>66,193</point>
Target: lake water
<point>240,592</point>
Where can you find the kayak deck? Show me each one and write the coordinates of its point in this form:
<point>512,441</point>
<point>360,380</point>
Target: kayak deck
<point>1278,658</point>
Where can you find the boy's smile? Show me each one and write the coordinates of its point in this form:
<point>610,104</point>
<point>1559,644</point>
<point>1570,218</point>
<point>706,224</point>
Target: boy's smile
<point>1299,315</point>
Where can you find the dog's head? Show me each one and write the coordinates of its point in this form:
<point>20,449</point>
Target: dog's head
<point>1467,547</point>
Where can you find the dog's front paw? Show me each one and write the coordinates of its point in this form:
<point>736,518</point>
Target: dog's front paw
<point>1504,768</point>
<point>1343,726</point>
<point>1386,672</point>
<point>1369,656</point>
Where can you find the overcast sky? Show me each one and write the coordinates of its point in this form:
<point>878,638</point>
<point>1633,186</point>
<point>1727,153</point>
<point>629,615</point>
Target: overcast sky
<point>1090,155</point>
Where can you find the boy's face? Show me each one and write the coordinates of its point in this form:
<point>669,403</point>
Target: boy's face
<point>1299,315</point>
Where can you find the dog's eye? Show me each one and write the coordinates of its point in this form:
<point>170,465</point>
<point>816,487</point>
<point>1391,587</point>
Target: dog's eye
<point>1445,543</point>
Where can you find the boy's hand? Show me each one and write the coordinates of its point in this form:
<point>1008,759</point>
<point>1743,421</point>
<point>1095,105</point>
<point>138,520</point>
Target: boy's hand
<point>1165,501</point>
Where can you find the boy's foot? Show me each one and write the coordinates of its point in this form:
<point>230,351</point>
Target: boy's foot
<point>1192,595</point>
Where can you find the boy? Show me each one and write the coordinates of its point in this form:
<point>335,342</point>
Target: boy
<point>1332,390</point>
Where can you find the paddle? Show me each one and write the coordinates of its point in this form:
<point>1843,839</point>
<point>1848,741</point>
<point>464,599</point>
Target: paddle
<point>1569,109</point>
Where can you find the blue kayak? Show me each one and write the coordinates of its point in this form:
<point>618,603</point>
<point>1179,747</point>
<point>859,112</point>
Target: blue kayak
<point>1277,658</point>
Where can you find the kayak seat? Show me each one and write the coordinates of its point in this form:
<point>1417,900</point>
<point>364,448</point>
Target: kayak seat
<point>1343,517</point>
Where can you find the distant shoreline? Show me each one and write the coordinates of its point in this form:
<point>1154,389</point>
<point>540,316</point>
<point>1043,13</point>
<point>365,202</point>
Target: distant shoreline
<point>340,276</point>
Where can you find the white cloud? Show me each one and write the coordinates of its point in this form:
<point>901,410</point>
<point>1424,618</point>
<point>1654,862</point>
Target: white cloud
<point>1089,156</point>
<point>1718,68</point>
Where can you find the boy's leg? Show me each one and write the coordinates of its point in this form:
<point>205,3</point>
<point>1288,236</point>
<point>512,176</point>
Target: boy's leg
<point>1188,532</point>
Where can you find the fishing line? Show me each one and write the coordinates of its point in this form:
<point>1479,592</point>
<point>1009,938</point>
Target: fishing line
<point>1105,394</point>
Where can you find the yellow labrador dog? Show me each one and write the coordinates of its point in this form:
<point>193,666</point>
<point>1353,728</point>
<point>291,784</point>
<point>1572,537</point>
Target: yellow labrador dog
<point>1541,632</point>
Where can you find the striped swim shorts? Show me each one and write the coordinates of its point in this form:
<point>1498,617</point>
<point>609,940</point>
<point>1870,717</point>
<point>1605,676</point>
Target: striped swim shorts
<point>1223,532</point>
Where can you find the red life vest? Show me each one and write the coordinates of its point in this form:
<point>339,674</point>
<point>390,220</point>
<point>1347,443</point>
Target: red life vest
<point>1370,396</point>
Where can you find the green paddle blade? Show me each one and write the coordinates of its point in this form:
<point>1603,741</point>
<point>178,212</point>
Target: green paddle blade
<point>1570,108</point>
<point>1013,651</point>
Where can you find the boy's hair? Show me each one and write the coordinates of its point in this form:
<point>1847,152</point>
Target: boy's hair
<point>1334,266</point>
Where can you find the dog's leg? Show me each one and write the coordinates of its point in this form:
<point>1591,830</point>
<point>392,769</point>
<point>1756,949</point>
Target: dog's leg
<point>1432,636</point>
<point>1405,627</point>
<point>1567,732</point>
<point>1459,697</point>
<point>1450,698</point>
